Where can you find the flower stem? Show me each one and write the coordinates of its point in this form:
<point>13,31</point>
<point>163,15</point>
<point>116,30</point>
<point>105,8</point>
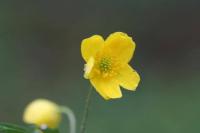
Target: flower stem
<point>71,117</point>
<point>86,111</point>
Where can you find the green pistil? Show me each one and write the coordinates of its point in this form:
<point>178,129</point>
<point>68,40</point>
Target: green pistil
<point>105,64</point>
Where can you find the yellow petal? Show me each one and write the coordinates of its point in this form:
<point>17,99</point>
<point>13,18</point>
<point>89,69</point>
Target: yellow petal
<point>108,89</point>
<point>88,68</point>
<point>128,78</point>
<point>121,46</point>
<point>90,46</point>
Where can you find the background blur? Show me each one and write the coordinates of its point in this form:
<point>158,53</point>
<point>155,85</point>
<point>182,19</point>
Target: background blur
<point>40,57</point>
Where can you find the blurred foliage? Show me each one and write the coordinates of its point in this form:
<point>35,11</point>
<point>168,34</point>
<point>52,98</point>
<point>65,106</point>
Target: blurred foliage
<point>12,128</point>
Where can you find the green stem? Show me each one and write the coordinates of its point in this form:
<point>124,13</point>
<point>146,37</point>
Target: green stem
<point>72,119</point>
<point>86,111</point>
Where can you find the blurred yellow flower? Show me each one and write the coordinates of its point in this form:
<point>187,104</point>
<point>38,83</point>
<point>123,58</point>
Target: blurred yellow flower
<point>107,65</point>
<point>42,112</point>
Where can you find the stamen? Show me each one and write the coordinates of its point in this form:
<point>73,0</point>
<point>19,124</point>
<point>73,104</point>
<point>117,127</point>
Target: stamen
<point>105,64</point>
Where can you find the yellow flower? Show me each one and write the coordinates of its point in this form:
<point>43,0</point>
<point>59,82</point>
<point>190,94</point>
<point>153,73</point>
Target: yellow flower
<point>107,65</point>
<point>42,112</point>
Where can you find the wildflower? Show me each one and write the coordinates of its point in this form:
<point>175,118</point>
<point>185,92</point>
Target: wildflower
<point>107,65</point>
<point>42,113</point>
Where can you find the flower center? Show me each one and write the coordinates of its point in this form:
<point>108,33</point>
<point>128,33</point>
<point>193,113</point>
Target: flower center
<point>105,64</point>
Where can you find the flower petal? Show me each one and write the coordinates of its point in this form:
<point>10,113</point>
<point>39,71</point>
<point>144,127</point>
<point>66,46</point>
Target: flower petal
<point>88,67</point>
<point>128,78</point>
<point>90,46</point>
<point>108,89</point>
<point>121,46</point>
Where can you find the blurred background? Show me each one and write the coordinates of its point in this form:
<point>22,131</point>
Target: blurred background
<point>40,58</point>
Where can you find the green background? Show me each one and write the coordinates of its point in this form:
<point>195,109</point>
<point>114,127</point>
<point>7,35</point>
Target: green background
<point>40,58</point>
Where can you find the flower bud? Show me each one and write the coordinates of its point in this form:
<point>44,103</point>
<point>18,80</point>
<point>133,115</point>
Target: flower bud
<point>42,112</point>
